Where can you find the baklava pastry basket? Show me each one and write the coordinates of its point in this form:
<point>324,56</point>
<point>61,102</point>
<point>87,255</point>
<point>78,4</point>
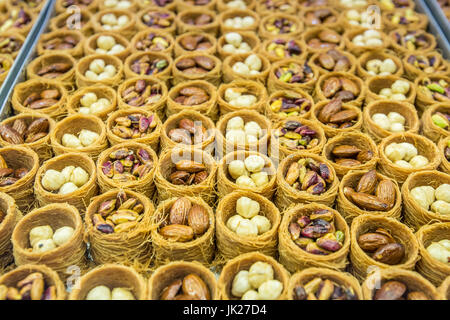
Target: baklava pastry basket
<point>357,139</point>
<point>350,210</point>
<point>84,64</point>
<point>165,275</point>
<point>295,258</point>
<point>73,125</point>
<point>248,37</point>
<point>244,262</point>
<point>283,150</point>
<point>375,84</point>
<point>127,31</point>
<point>264,33</point>
<point>144,185</point>
<point>415,215</point>
<point>233,13</point>
<point>179,49</point>
<point>164,75</point>
<point>287,195</point>
<point>230,75</point>
<point>151,139</point>
<point>358,50</point>
<point>339,277</point>
<point>207,108</point>
<point>22,190</point>
<point>381,55</point>
<point>425,147</point>
<point>434,270</point>
<point>405,109</point>
<point>207,144</point>
<point>167,162</point>
<point>229,243</point>
<point>71,253</point>
<point>91,44</point>
<point>247,87</point>
<point>101,91</point>
<point>276,117</point>
<point>76,51</point>
<point>331,131</point>
<point>226,184</point>
<point>10,215</point>
<point>26,89</point>
<point>274,83</point>
<point>131,247</point>
<point>111,276</point>
<point>50,61</point>
<point>214,75</point>
<point>200,249</point>
<point>146,34</point>
<point>155,106</point>
<point>424,98</point>
<point>79,198</point>
<point>429,128</point>
<point>226,146</point>
<point>413,280</point>
<point>183,26</point>
<point>41,146</point>
<point>362,262</point>
<point>50,277</point>
<point>358,100</point>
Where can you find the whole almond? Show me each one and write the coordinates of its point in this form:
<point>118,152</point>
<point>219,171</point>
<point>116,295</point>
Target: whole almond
<point>368,182</point>
<point>368,202</point>
<point>342,64</point>
<point>326,61</point>
<point>346,151</point>
<point>200,177</point>
<point>386,192</point>
<point>180,135</point>
<point>20,126</point>
<point>179,211</point>
<point>364,156</point>
<point>331,86</point>
<point>344,116</point>
<point>192,91</point>
<point>10,135</point>
<point>349,85</point>
<point>198,219</point>
<point>195,287</point>
<point>177,233</point>
<point>391,290</point>
<point>328,110</point>
<point>50,94</point>
<point>372,241</point>
<point>348,162</point>
<point>35,137</point>
<point>37,126</point>
<point>190,166</point>
<point>171,290</point>
<point>329,36</point>
<point>187,124</point>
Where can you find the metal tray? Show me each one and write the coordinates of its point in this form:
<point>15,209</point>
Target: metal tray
<point>440,17</point>
<point>26,54</point>
<point>434,28</point>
